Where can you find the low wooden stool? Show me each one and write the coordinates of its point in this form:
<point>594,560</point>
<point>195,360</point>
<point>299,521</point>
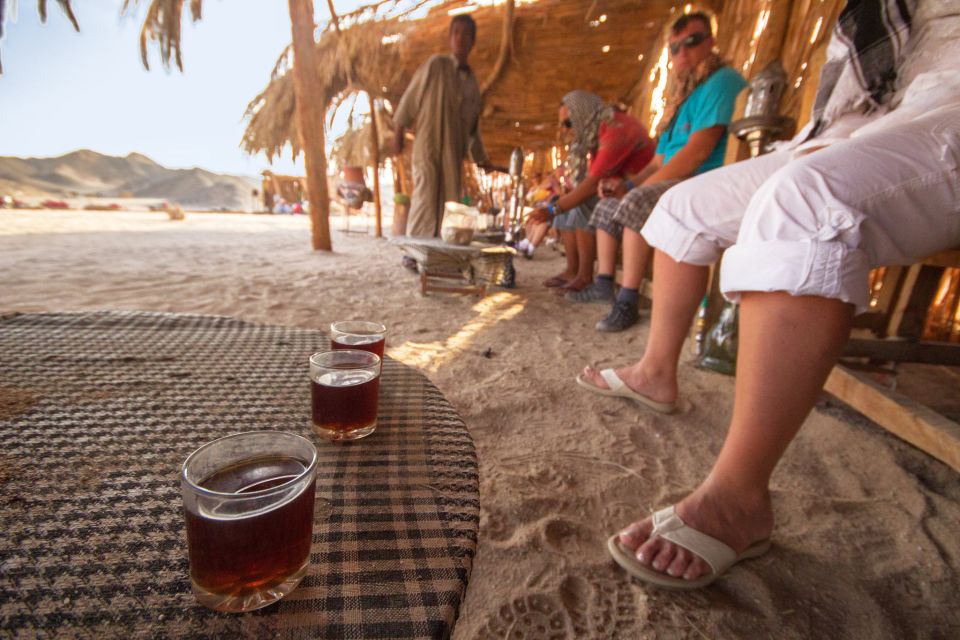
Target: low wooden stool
<point>453,268</point>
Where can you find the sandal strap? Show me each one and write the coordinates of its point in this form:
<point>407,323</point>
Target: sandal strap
<point>612,379</point>
<point>668,525</point>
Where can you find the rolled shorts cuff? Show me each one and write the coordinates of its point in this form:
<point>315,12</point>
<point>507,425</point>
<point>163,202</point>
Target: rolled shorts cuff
<point>574,219</point>
<point>823,269</point>
<point>667,234</point>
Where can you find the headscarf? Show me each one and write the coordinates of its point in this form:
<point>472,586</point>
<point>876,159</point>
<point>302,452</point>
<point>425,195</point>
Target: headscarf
<point>587,111</point>
<point>681,86</point>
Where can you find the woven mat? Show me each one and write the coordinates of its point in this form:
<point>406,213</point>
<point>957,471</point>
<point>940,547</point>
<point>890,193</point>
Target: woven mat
<point>99,410</point>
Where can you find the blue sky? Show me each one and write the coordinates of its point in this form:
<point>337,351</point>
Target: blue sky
<point>63,90</point>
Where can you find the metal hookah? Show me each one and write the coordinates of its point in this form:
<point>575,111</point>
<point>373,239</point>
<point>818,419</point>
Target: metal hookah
<point>717,348</point>
<point>514,219</point>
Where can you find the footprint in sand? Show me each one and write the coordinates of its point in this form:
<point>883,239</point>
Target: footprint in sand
<point>533,617</point>
<point>495,526</point>
<point>566,537</point>
<point>599,606</point>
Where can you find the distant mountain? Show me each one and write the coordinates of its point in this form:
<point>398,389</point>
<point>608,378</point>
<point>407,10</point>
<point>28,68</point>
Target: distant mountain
<point>88,173</point>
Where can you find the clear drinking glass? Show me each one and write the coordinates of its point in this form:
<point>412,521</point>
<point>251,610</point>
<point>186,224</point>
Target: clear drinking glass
<point>345,390</point>
<point>358,334</point>
<point>248,501</point>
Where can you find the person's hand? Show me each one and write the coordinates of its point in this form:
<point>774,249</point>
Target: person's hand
<point>612,188</point>
<point>539,214</point>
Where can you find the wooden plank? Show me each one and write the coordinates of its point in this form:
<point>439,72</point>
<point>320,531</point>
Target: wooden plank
<point>920,426</point>
<point>919,298</point>
<point>899,308</point>
<point>949,258</point>
<point>926,352</point>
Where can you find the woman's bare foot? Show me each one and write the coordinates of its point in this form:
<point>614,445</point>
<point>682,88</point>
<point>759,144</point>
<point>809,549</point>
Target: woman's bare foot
<point>574,284</point>
<point>660,388</point>
<point>736,520</point>
<point>559,280</point>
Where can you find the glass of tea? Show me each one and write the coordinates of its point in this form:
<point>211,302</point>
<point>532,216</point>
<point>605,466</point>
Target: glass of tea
<point>248,502</point>
<point>358,334</point>
<point>345,389</point>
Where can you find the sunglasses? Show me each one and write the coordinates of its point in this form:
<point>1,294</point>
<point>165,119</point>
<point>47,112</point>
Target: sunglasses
<point>567,123</point>
<point>691,41</point>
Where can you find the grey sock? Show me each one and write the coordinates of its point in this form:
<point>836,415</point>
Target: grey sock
<point>630,296</point>
<point>604,283</point>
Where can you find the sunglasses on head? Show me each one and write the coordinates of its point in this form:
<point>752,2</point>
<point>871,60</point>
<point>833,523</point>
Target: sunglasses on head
<point>691,41</point>
<point>566,123</point>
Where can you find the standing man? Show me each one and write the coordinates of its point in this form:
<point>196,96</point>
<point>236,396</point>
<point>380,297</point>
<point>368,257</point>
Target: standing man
<point>442,105</point>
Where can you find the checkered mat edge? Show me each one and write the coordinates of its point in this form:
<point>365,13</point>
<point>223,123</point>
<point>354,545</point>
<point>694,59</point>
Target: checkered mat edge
<point>99,410</point>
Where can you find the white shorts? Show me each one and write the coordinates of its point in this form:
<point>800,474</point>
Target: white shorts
<point>816,224</point>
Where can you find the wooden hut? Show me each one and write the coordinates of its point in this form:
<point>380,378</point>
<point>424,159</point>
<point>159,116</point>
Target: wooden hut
<point>527,56</point>
<point>530,53</point>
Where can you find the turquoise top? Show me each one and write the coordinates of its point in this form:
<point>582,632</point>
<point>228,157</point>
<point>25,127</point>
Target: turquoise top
<point>710,104</point>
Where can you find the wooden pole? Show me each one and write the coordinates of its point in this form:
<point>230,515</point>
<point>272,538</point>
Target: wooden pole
<point>375,155</point>
<point>333,16</point>
<point>310,115</point>
<point>506,49</point>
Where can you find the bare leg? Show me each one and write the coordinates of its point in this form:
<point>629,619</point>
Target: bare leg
<point>636,255</point>
<point>569,239</point>
<point>537,232</point>
<point>586,253</point>
<point>677,290</point>
<point>606,253</point>
<point>788,344</point>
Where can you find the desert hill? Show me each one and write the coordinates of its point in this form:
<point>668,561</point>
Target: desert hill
<point>88,173</point>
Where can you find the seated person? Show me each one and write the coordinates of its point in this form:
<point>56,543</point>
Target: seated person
<point>541,193</point>
<point>694,140</point>
<point>619,145</point>
<point>862,186</point>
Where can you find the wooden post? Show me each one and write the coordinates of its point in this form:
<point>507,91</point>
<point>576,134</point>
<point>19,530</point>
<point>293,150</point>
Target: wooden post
<point>375,153</point>
<point>400,211</point>
<point>310,116</point>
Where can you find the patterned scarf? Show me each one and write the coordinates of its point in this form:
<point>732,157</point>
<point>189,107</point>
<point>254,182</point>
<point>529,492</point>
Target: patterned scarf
<point>862,58</point>
<point>587,111</point>
<point>681,86</point>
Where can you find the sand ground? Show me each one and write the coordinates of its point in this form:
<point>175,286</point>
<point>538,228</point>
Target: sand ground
<point>866,543</point>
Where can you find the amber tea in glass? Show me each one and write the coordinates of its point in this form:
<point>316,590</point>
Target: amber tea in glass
<point>357,334</point>
<point>248,502</point>
<point>344,393</point>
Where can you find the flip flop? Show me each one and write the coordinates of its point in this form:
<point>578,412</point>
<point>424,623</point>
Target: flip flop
<point>618,388</point>
<point>668,525</point>
<point>555,281</point>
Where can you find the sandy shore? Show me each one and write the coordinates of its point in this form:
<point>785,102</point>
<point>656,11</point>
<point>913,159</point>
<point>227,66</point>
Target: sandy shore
<point>866,543</point>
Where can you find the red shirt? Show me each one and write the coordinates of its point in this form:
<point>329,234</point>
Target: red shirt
<point>624,147</point>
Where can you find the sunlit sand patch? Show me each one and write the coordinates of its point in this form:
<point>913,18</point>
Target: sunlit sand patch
<point>430,356</point>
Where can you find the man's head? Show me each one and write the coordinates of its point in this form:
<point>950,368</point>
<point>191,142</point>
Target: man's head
<point>463,34</point>
<point>691,41</point>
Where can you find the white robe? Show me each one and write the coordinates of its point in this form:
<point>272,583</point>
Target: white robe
<point>442,106</point>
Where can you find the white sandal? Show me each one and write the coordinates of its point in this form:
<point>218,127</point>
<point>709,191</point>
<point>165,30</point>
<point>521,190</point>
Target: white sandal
<point>620,389</point>
<point>668,525</point>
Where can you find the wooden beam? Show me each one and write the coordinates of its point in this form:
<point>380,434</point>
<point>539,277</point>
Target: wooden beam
<point>375,157</point>
<point>948,258</point>
<point>903,351</point>
<point>506,50</point>
<point>920,426</point>
<point>310,116</point>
